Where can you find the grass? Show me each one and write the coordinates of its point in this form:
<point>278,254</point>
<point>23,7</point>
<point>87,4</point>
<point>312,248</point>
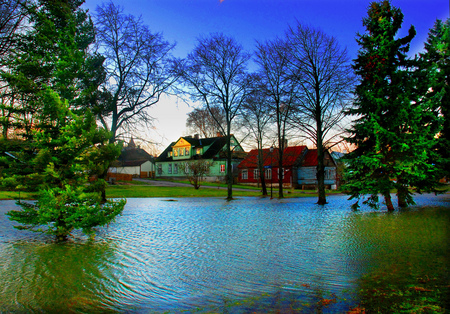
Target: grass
<point>138,189</point>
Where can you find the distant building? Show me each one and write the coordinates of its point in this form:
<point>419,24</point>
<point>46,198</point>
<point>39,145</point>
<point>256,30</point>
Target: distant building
<point>169,165</point>
<point>299,168</point>
<point>133,161</point>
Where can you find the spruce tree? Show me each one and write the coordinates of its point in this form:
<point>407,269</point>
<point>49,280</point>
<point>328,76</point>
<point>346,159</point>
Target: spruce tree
<point>392,132</point>
<point>435,67</point>
<point>58,144</point>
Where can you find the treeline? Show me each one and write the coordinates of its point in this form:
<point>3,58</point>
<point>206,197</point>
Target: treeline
<point>71,85</point>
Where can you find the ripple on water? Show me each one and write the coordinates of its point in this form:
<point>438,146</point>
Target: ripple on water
<point>193,253</point>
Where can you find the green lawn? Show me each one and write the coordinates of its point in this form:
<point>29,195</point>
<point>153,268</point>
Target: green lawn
<point>140,189</point>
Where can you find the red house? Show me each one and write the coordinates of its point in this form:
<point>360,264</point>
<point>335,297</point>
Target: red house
<point>299,167</point>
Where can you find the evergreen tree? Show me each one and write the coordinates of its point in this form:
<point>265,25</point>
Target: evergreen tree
<point>393,133</point>
<point>59,145</point>
<point>435,63</point>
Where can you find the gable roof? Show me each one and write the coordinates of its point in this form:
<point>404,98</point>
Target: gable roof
<point>131,157</point>
<point>291,156</point>
<point>215,146</point>
<point>311,160</point>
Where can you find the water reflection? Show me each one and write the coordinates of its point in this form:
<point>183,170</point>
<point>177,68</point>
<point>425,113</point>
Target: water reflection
<point>250,254</point>
<point>52,277</point>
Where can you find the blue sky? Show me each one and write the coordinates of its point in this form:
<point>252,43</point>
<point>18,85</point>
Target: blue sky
<point>183,21</point>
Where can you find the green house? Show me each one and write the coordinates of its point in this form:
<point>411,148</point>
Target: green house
<point>171,164</point>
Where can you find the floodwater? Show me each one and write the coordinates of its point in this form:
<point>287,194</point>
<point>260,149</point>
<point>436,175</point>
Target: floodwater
<point>208,255</point>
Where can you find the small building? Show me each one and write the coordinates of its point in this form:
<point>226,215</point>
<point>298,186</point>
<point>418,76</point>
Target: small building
<point>133,162</point>
<point>299,167</point>
<point>172,161</point>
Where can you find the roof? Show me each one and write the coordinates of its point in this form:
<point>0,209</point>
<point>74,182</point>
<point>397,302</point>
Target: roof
<point>310,159</point>
<point>131,157</point>
<point>215,146</point>
<point>291,156</point>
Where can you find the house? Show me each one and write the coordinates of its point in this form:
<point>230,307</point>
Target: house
<point>132,162</point>
<point>171,164</point>
<point>299,167</point>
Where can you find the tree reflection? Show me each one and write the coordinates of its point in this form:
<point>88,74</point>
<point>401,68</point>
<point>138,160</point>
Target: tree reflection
<point>68,277</point>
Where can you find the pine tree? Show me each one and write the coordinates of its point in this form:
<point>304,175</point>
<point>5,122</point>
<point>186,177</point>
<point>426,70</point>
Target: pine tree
<point>60,145</point>
<point>435,64</point>
<point>392,132</point>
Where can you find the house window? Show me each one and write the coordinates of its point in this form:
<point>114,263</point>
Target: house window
<point>169,169</point>
<point>186,151</point>
<point>159,169</point>
<point>170,154</point>
<point>175,168</point>
<point>269,173</point>
<point>198,151</point>
<point>256,174</point>
<point>181,151</point>
<point>330,174</point>
<point>222,168</point>
<point>175,152</point>
<point>244,174</point>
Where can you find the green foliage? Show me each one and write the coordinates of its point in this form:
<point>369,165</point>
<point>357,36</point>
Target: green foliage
<point>61,210</point>
<point>395,126</point>
<point>59,145</point>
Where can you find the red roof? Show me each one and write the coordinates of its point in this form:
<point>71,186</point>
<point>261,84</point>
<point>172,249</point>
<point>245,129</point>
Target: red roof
<point>290,157</point>
<point>310,158</point>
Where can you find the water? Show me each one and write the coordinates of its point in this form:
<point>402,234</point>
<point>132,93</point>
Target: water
<point>209,255</point>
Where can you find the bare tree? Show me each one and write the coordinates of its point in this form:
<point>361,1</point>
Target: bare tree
<point>138,65</point>
<point>12,14</point>
<point>195,170</point>
<point>323,74</point>
<point>255,118</point>
<point>272,58</point>
<point>206,122</point>
<point>12,20</point>
<point>215,74</point>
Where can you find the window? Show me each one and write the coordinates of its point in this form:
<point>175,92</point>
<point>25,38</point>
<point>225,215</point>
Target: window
<point>198,151</point>
<point>330,174</point>
<point>269,173</point>
<point>256,174</point>
<point>175,168</point>
<point>222,168</point>
<point>169,169</point>
<point>170,154</point>
<point>181,151</point>
<point>159,169</point>
<point>186,151</point>
<point>244,174</point>
<point>175,152</point>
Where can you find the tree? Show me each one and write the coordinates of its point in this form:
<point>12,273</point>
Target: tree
<point>215,75</point>
<point>394,131</point>
<point>195,170</point>
<point>272,59</point>
<point>12,14</point>
<point>435,62</point>
<point>322,72</point>
<point>56,155</point>
<point>138,65</point>
<point>255,118</point>
<point>203,121</point>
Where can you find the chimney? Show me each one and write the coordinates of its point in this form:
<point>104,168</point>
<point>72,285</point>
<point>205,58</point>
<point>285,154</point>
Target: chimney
<point>196,136</point>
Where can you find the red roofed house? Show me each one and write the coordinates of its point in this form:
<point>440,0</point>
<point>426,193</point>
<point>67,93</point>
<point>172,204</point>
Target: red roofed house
<point>299,167</point>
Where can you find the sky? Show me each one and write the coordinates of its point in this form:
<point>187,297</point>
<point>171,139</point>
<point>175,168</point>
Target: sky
<point>250,21</point>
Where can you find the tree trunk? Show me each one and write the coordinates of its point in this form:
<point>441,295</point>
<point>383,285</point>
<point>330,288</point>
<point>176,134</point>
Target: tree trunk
<point>280,167</point>
<point>229,168</point>
<point>261,172</point>
<point>322,200</point>
<point>388,201</point>
<point>402,194</point>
